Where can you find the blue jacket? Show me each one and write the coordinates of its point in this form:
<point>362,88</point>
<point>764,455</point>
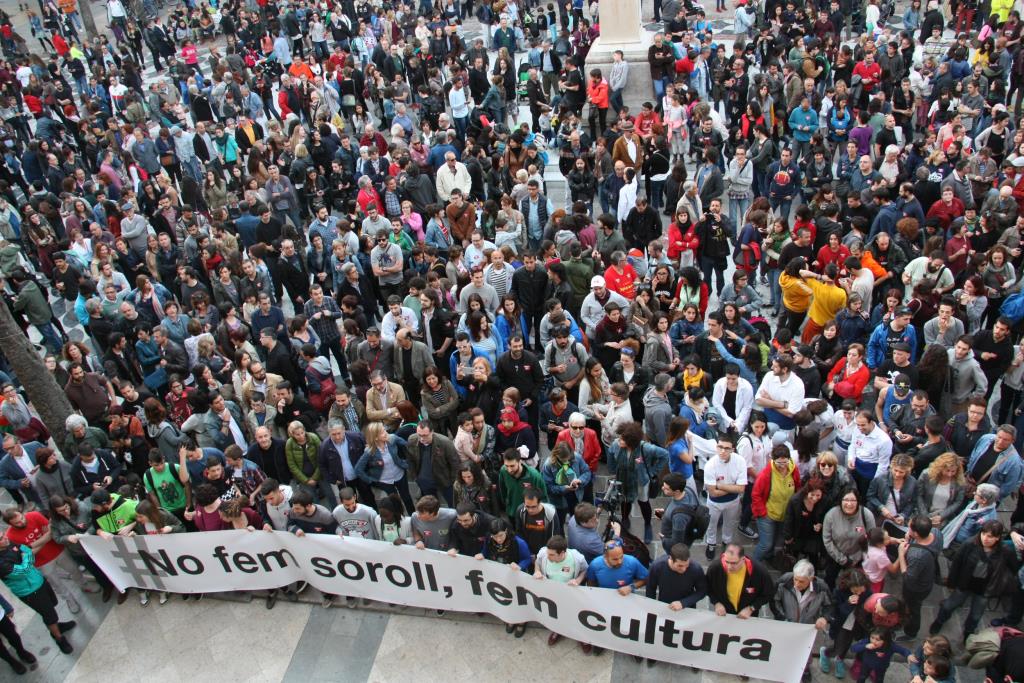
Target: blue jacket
<point>370,467</point>
<point>10,473</point>
<point>877,347</point>
<point>655,459</point>
<point>453,367</point>
<point>1009,471</point>
<point>800,118</point>
<point>697,426</point>
<point>560,496</point>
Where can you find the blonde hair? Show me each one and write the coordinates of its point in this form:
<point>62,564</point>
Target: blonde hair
<point>828,458</point>
<point>943,461</point>
<point>373,432</point>
<point>294,426</point>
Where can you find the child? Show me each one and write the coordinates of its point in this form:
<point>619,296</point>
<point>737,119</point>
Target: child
<point>685,330</point>
<point>876,563</point>
<point>875,654</point>
<point>931,658</point>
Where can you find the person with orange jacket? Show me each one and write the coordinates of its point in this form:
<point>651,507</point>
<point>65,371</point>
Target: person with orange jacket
<point>773,488</point>
<point>597,95</point>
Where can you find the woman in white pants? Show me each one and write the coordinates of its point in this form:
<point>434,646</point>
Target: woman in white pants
<point>725,478</point>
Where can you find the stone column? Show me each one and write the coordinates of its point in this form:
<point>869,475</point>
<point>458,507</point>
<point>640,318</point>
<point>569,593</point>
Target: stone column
<point>622,29</point>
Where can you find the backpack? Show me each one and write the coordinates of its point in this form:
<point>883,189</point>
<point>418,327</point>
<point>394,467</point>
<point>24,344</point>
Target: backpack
<point>1013,307</point>
<point>982,648</point>
<point>700,520</point>
<point>632,545</point>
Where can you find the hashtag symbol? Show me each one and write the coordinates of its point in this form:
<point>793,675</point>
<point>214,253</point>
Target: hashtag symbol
<point>135,566</point>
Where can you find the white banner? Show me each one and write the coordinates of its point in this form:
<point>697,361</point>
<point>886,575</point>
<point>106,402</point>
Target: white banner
<point>240,560</point>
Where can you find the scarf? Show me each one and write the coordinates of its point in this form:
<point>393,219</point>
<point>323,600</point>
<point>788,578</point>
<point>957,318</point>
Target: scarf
<point>696,380</point>
<point>517,424</point>
<point>950,531</point>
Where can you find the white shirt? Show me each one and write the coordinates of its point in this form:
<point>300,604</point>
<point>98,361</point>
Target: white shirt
<point>874,447</point>
<point>754,450</point>
<point>717,472</point>
<point>389,325</point>
<point>791,391</point>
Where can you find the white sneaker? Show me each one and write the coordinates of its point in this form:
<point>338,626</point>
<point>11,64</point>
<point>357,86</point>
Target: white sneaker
<point>163,598</point>
<point>144,598</point>
<point>74,607</point>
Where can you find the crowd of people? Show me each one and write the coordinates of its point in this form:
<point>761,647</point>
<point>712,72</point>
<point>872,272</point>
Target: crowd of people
<point>325,288</point>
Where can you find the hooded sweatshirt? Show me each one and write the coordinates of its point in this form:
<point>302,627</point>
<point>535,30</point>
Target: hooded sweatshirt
<point>965,377</point>
<point>657,415</point>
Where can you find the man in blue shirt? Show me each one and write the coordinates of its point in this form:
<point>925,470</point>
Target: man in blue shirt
<point>615,569</point>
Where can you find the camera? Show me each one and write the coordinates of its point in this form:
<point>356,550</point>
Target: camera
<point>611,502</point>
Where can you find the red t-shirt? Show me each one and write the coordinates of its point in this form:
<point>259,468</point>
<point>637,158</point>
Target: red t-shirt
<point>624,284</point>
<point>35,528</point>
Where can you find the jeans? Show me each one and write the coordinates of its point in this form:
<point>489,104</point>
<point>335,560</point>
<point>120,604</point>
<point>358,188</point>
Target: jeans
<point>461,125</point>
<point>956,600</point>
<point>334,347</point>
<point>659,88</point>
<point>657,194</point>
<point>433,490</point>
<point>738,209</point>
<point>913,599</point>
<point>50,336</point>
<point>615,100</point>
<point>767,529</point>
<point>707,267</point>
<point>775,288</point>
<point>782,207</point>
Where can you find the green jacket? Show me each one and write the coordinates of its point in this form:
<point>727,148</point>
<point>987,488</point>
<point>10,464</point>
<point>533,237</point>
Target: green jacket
<point>20,573</point>
<point>579,273</point>
<point>293,454</point>
<point>120,515</point>
<point>31,300</point>
<point>510,489</point>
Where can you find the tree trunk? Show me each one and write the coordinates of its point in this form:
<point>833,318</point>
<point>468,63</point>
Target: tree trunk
<point>46,396</point>
<point>85,11</point>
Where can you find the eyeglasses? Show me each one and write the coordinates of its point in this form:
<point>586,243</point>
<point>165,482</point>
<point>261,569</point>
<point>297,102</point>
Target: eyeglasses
<point>576,427</point>
<point>613,544</point>
<point>825,464</point>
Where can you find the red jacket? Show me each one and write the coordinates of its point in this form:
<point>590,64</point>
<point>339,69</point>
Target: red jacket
<point>689,240</point>
<point>282,103</point>
<point>591,446</point>
<point>852,386</point>
<point>598,93</point>
<point>763,489</point>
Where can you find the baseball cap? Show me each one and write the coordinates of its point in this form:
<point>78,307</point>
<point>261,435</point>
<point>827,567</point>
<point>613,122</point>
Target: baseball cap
<point>901,346</point>
<point>597,281</point>
<point>901,383</point>
<point>903,310</point>
<point>628,351</point>
<point>100,497</point>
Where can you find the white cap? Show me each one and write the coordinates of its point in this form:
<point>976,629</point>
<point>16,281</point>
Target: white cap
<point>596,281</point>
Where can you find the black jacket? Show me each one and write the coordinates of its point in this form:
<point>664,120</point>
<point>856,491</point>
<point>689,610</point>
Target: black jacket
<point>757,592</point>
<point>82,479</point>
<point>525,374</point>
<point>329,460</point>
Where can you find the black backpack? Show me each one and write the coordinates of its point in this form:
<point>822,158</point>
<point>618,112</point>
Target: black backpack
<point>632,545</point>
